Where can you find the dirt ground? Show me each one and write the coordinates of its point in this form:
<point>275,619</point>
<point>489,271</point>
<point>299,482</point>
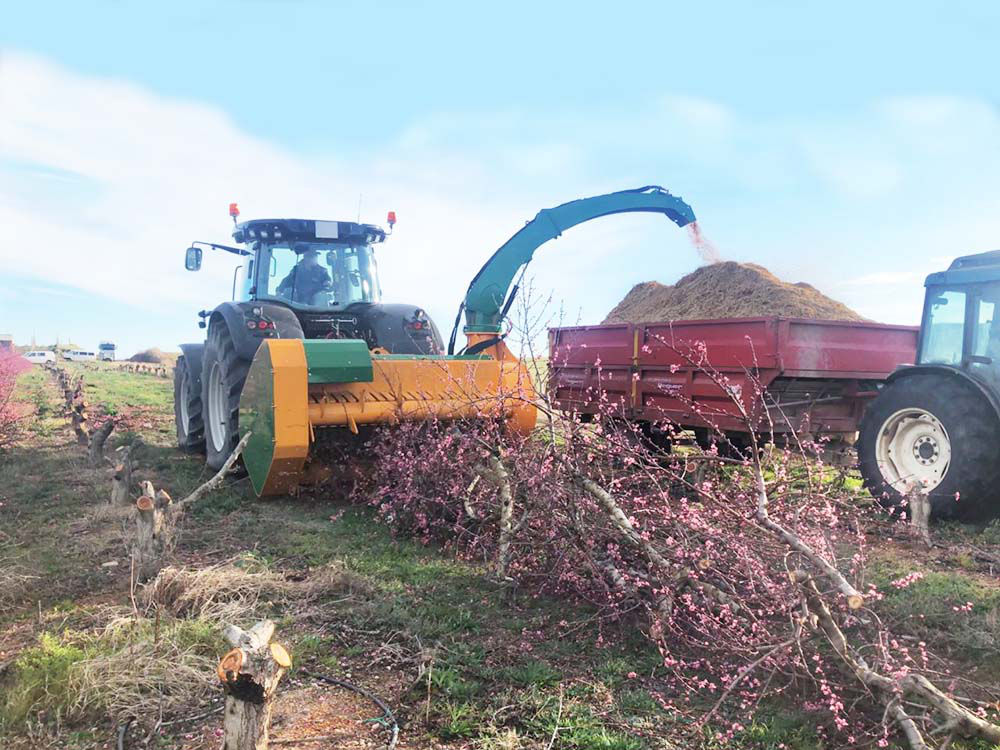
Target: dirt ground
<point>456,657</point>
<point>463,662</point>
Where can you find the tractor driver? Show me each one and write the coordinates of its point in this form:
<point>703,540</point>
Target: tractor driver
<point>306,279</point>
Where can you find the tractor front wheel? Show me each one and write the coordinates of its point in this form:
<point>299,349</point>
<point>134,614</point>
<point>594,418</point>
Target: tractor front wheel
<point>222,377</point>
<point>187,408</point>
<point>937,433</point>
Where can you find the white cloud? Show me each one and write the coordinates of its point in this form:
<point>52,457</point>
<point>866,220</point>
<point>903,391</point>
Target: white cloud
<point>140,175</point>
<point>103,183</point>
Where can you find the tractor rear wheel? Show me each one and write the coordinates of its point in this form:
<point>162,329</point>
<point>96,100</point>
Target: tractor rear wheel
<point>937,432</point>
<point>222,377</point>
<point>187,409</point>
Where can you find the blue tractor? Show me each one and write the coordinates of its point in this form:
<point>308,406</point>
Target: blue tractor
<point>935,425</point>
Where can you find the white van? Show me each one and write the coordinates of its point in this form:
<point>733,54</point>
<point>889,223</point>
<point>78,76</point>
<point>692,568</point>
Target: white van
<point>40,357</point>
<point>78,355</point>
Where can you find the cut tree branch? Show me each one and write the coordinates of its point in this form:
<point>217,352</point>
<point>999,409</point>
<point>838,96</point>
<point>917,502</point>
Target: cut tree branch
<point>215,482</point>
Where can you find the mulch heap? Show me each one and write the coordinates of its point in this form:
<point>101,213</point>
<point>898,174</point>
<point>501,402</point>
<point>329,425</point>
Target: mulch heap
<point>155,356</point>
<point>727,290</point>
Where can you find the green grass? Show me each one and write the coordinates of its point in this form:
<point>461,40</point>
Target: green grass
<point>50,678</point>
<point>116,389</point>
<point>41,680</point>
<point>490,686</point>
<point>927,609</point>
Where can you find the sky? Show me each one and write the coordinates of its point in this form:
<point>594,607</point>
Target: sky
<point>855,146</point>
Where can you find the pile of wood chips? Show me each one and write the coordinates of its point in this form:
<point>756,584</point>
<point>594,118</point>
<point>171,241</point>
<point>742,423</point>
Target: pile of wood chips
<point>726,290</point>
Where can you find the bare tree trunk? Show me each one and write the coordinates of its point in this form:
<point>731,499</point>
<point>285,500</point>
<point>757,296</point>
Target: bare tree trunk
<point>153,532</point>
<point>95,449</point>
<point>920,515</point>
<point>506,515</point>
<point>250,674</point>
<point>158,515</point>
<point>78,415</point>
<point>121,480</point>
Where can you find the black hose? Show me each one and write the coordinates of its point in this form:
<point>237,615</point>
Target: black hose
<point>454,329</point>
<point>122,731</point>
<point>387,715</point>
<point>483,345</point>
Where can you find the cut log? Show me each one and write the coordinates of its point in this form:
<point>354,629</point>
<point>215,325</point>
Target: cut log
<point>250,674</point>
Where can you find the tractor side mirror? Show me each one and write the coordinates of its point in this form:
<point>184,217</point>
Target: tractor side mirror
<point>192,258</point>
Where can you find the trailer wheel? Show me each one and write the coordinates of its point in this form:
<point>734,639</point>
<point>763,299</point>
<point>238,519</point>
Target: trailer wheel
<point>187,409</point>
<point>935,431</point>
<point>222,377</point>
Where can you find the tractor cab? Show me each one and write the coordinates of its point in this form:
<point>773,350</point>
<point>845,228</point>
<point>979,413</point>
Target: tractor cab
<point>309,264</point>
<point>961,324</point>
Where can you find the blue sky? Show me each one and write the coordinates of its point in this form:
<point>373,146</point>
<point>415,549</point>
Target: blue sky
<point>855,146</point>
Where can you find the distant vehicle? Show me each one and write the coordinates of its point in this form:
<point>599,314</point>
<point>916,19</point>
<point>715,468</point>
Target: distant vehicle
<point>40,357</point>
<point>6,342</point>
<point>79,355</point>
<point>106,351</point>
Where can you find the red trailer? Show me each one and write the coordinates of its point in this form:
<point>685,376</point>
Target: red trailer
<point>817,375</point>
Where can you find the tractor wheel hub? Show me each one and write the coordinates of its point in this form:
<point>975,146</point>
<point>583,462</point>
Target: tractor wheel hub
<point>913,448</point>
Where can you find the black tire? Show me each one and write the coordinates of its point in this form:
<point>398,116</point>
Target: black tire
<point>973,433</point>
<point>221,439</point>
<point>187,409</point>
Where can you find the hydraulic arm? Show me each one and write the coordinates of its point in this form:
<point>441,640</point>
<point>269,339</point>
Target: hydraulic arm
<point>487,300</point>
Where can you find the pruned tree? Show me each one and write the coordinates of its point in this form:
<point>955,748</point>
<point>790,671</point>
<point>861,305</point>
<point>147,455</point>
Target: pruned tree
<point>250,674</point>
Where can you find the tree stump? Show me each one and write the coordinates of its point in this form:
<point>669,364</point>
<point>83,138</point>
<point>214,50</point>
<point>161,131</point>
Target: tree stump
<point>121,480</point>
<point>153,532</point>
<point>920,514</point>
<point>250,674</point>
<point>95,447</point>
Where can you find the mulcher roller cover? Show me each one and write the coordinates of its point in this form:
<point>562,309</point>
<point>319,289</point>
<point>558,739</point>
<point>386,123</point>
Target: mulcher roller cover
<point>969,487</point>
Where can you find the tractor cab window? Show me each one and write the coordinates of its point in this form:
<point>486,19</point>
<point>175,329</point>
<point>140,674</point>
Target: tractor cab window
<point>944,328</point>
<point>985,359</point>
<point>318,275</point>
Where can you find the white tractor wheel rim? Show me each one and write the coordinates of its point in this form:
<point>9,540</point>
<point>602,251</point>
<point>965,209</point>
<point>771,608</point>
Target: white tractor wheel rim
<point>218,408</point>
<point>183,401</point>
<point>913,450</point>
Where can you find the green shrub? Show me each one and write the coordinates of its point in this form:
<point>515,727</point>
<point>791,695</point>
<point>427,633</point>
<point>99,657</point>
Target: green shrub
<point>41,679</point>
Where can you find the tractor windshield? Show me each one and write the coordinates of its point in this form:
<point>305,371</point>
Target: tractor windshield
<point>944,327</point>
<point>318,275</point>
<point>962,328</point>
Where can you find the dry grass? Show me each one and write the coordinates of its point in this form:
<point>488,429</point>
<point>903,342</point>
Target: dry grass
<point>134,667</point>
<point>139,672</point>
<point>160,659</point>
<point>232,591</point>
<point>223,593</point>
<point>12,583</point>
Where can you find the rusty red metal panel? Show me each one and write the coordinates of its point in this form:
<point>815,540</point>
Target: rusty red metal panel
<point>651,372</point>
<point>826,348</point>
